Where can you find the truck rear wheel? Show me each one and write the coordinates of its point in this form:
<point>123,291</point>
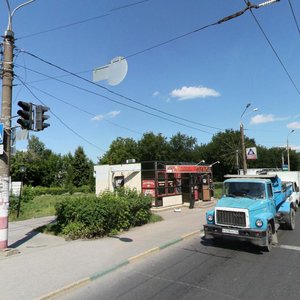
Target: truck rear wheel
<point>291,222</point>
<point>269,238</point>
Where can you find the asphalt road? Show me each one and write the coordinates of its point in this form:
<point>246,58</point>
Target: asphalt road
<point>198,269</point>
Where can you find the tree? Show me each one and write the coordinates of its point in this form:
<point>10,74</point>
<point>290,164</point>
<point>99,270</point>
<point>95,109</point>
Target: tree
<point>182,148</point>
<point>226,148</point>
<point>119,151</point>
<point>153,147</point>
<point>82,168</point>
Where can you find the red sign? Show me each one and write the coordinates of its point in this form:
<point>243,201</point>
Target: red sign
<point>148,188</point>
<point>187,169</point>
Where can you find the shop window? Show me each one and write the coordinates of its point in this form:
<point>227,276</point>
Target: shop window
<point>171,185</point>
<point>161,183</point>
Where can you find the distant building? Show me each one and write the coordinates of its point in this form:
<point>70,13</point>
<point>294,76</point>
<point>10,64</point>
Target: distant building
<point>167,183</point>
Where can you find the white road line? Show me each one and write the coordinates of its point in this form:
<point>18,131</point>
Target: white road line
<point>297,248</point>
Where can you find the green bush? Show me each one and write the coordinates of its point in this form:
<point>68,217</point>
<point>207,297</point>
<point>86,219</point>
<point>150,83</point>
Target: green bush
<point>91,216</point>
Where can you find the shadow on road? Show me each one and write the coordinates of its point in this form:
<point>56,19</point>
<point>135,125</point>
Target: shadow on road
<point>232,245</point>
<point>122,239</point>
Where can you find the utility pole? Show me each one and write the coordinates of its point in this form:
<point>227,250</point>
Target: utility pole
<point>243,148</point>
<point>237,161</point>
<point>288,149</point>
<point>7,79</point>
<point>243,137</point>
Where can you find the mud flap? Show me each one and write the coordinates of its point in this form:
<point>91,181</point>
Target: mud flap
<point>274,238</point>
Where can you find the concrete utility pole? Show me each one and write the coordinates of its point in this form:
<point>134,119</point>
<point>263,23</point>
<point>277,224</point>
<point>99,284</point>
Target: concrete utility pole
<point>7,79</point>
<point>288,149</point>
<point>243,140</point>
<point>243,137</point>
<point>243,148</point>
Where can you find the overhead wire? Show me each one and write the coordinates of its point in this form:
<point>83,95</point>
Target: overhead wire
<point>294,16</point>
<point>58,118</point>
<point>118,94</point>
<point>83,110</point>
<point>82,21</point>
<point>274,51</point>
<point>249,6</point>
<point>121,103</point>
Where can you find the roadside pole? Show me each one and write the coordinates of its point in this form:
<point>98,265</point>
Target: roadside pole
<point>7,79</point>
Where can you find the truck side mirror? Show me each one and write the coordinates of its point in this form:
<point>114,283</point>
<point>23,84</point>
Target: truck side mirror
<point>297,189</point>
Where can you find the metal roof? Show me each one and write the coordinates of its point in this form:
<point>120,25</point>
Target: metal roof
<point>268,176</point>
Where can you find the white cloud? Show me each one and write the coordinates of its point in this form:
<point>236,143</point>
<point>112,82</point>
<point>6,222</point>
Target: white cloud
<point>111,114</point>
<point>98,118</point>
<point>260,119</point>
<point>296,148</point>
<point>155,94</point>
<point>293,125</point>
<point>193,92</point>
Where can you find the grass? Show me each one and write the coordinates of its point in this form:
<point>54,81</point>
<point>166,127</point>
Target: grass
<point>40,206</point>
<point>155,218</point>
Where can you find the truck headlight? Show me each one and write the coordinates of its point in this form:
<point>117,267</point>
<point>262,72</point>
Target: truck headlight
<point>210,218</point>
<point>259,223</point>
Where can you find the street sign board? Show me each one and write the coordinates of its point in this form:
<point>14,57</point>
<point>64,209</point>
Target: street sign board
<point>285,167</point>
<point>251,153</point>
<point>1,133</point>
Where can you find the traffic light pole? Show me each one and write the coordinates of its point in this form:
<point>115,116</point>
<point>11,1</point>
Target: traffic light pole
<point>7,79</point>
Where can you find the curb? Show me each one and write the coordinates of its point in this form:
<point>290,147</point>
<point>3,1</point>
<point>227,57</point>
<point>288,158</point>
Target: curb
<point>97,275</point>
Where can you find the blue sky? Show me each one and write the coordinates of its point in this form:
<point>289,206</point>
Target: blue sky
<point>207,77</point>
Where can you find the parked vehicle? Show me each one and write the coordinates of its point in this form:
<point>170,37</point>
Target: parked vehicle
<point>294,197</point>
<point>252,208</point>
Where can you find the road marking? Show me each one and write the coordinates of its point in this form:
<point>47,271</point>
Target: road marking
<point>297,248</point>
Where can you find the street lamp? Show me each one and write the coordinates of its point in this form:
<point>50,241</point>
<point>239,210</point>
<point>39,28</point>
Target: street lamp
<point>287,148</point>
<point>216,162</point>
<point>243,137</point>
<point>200,162</point>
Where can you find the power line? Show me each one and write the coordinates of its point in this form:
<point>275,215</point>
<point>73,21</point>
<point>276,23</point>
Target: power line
<point>83,110</point>
<point>294,16</point>
<point>82,21</point>
<point>118,94</point>
<point>275,52</point>
<point>121,103</point>
<point>58,118</point>
<point>225,19</point>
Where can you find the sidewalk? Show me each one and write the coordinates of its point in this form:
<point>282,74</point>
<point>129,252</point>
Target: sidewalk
<point>47,264</point>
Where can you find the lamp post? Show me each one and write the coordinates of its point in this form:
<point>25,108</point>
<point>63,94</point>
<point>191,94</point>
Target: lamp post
<point>243,137</point>
<point>216,162</point>
<point>287,148</point>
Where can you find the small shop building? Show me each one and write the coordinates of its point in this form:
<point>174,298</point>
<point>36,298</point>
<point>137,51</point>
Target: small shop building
<point>167,183</point>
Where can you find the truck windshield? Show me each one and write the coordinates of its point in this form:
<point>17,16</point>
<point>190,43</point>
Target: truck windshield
<point>253,190</point>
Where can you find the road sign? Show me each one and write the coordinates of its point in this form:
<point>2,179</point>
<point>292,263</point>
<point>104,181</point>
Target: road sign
<point>251,153</point>
<point>1,133</point>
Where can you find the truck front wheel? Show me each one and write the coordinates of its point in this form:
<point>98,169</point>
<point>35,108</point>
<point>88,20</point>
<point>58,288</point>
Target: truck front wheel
<point>269,238</point>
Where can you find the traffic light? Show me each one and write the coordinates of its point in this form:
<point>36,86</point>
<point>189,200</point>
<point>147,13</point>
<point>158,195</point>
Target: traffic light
<point>26,118</point>
<point>40,117</point>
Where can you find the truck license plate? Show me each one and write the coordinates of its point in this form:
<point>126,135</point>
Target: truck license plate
<point>232,231</point>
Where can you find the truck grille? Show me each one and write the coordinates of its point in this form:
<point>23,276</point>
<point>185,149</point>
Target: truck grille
<point>233,218</point>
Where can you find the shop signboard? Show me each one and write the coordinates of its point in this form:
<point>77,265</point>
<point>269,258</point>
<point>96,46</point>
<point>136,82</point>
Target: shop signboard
<point>187,169</point>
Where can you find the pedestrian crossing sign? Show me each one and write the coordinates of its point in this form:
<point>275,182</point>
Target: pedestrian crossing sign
<point>251,153</point>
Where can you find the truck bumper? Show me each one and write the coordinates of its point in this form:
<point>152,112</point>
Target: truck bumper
<point>256,237</point>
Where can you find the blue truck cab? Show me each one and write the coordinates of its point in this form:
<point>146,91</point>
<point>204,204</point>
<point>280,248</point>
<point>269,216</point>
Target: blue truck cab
<point>251,208</point>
